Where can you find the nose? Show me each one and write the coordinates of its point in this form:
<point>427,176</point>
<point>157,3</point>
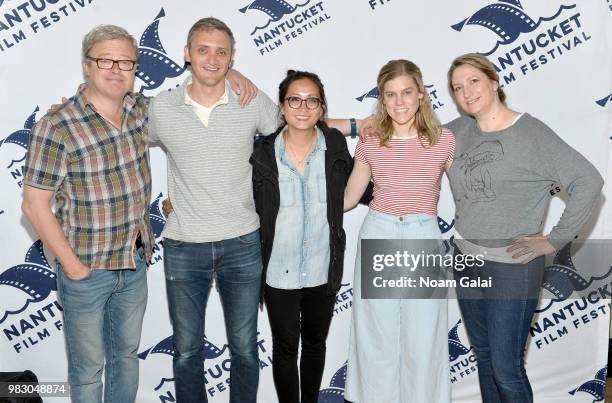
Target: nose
<point>115,68</point>
<point>212,58</point>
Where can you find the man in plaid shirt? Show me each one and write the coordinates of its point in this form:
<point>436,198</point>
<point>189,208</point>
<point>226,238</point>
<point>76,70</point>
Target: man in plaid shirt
<point>92,155</point>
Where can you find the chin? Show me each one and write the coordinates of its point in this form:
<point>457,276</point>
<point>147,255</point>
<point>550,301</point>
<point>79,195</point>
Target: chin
<point>401,122</point>
<point>209,79</point>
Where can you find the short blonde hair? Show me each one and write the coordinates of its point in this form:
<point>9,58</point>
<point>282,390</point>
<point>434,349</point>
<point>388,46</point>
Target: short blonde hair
<point>425,120</point>
<point>481,63</point>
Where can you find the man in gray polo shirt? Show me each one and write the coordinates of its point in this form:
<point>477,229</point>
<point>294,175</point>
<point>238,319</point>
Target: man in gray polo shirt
<point>214,227</point>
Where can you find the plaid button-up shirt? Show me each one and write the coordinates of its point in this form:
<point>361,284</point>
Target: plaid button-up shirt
<point>100,175</point>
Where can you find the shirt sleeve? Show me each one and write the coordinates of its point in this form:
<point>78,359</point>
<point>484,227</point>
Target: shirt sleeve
<point>361,152</point>
<point>47,160</point>
<point>269,117</point>
<point>153,137</point>
<point>580,179</point>
<point>450,148</point>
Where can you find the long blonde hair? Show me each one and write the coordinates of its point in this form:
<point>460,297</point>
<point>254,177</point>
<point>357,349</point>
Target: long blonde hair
<point>425,121</point>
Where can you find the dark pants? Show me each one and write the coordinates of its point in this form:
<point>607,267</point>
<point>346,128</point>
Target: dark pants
<point>497,322</point>
<point>306,312</point>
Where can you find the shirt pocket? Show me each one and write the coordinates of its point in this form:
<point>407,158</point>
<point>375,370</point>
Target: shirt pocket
<point>286,186</point>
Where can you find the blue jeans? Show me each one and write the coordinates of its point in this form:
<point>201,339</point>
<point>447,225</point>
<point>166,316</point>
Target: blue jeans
<point>102,323</point>
<point>498,328</point>
<point>189,268</point>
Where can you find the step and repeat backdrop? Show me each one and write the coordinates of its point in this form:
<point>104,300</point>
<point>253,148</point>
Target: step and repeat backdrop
<point>555,61</point>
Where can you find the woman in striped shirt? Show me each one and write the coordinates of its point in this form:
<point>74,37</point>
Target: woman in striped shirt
<point>398,347</point>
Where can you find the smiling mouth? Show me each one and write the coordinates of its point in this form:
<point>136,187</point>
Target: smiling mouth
<point>213,69</point>
<point>471,101</point>
<point>401,110</point>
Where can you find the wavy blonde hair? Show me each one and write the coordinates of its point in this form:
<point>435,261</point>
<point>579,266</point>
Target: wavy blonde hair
<point>425,121</point>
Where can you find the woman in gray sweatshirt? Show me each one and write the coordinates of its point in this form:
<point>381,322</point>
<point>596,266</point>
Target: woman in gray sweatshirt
<point>505,164</point>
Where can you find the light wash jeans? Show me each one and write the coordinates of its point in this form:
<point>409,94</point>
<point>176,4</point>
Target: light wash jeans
<point>102,323</point>
<point>398,348</point>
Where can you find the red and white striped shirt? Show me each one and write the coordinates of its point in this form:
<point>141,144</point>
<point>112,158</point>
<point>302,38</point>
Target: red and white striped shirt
<point>406,174</point>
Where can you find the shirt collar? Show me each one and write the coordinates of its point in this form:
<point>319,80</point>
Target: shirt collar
<point>128,100</point>
<point>279,143</point>
<point>223,100</point>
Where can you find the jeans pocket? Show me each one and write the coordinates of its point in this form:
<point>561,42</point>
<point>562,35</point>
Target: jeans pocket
<point>63,274</point>
<point>250,238</point>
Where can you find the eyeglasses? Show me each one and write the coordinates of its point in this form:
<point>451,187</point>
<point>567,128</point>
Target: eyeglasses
<point>108,64</point>
<point>296,102</point>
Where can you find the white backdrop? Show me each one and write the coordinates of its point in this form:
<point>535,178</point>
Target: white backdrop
<point>555,60</point>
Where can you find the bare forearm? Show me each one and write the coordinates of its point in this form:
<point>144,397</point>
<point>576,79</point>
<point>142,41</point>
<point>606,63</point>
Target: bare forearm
<point>357,184</point>
<point>343,125</point>
<point>49,231</point>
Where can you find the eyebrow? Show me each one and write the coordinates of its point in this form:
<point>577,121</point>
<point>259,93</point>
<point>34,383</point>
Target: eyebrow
<point>403,89</point>
<point>206,45</point>
<point>307,95</point>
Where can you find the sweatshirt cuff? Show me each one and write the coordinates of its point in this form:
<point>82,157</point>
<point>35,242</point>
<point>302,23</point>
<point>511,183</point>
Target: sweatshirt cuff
<point>557,241</point>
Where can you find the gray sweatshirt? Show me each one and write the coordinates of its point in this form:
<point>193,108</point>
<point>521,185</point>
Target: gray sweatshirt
<point>502,181</point>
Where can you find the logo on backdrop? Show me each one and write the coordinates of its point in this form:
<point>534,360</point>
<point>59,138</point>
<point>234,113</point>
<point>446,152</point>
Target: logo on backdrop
<point>436,103</point>
<point>462,359</point>
<point>209,350</point>
<point>523,44</point>
<point>34,278</point>
<point>604,101</point>
<point>335,392</point>
<point>20,138</point>
<point>455,347</point>
<point>594,387</point>
<point>561,279</point>
<point>19,23</point>
<point>376,3</point>
<point>22,285</point>
<point>154,64</point>
<point>216,367</point>
<point>158,221</point>
<point>281,23</point>
<point>344,299</point>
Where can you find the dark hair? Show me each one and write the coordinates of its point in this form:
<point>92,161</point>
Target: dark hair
<point>294,75</point>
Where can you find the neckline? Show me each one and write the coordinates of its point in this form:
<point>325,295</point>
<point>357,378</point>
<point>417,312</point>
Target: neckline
<point>501,131</point>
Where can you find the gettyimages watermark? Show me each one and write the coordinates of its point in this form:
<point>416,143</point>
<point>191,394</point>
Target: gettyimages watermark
<point>436,269</point>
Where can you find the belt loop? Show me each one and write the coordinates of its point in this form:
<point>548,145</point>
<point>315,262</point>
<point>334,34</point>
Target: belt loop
<point>421,218</point>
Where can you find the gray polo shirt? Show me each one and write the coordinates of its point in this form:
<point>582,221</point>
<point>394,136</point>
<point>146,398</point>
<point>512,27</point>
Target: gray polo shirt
<point>209,175</point>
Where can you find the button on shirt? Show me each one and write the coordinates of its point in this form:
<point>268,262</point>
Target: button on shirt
<point>203,112</point>
<point>100,175</point>
<point>300,253</point>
